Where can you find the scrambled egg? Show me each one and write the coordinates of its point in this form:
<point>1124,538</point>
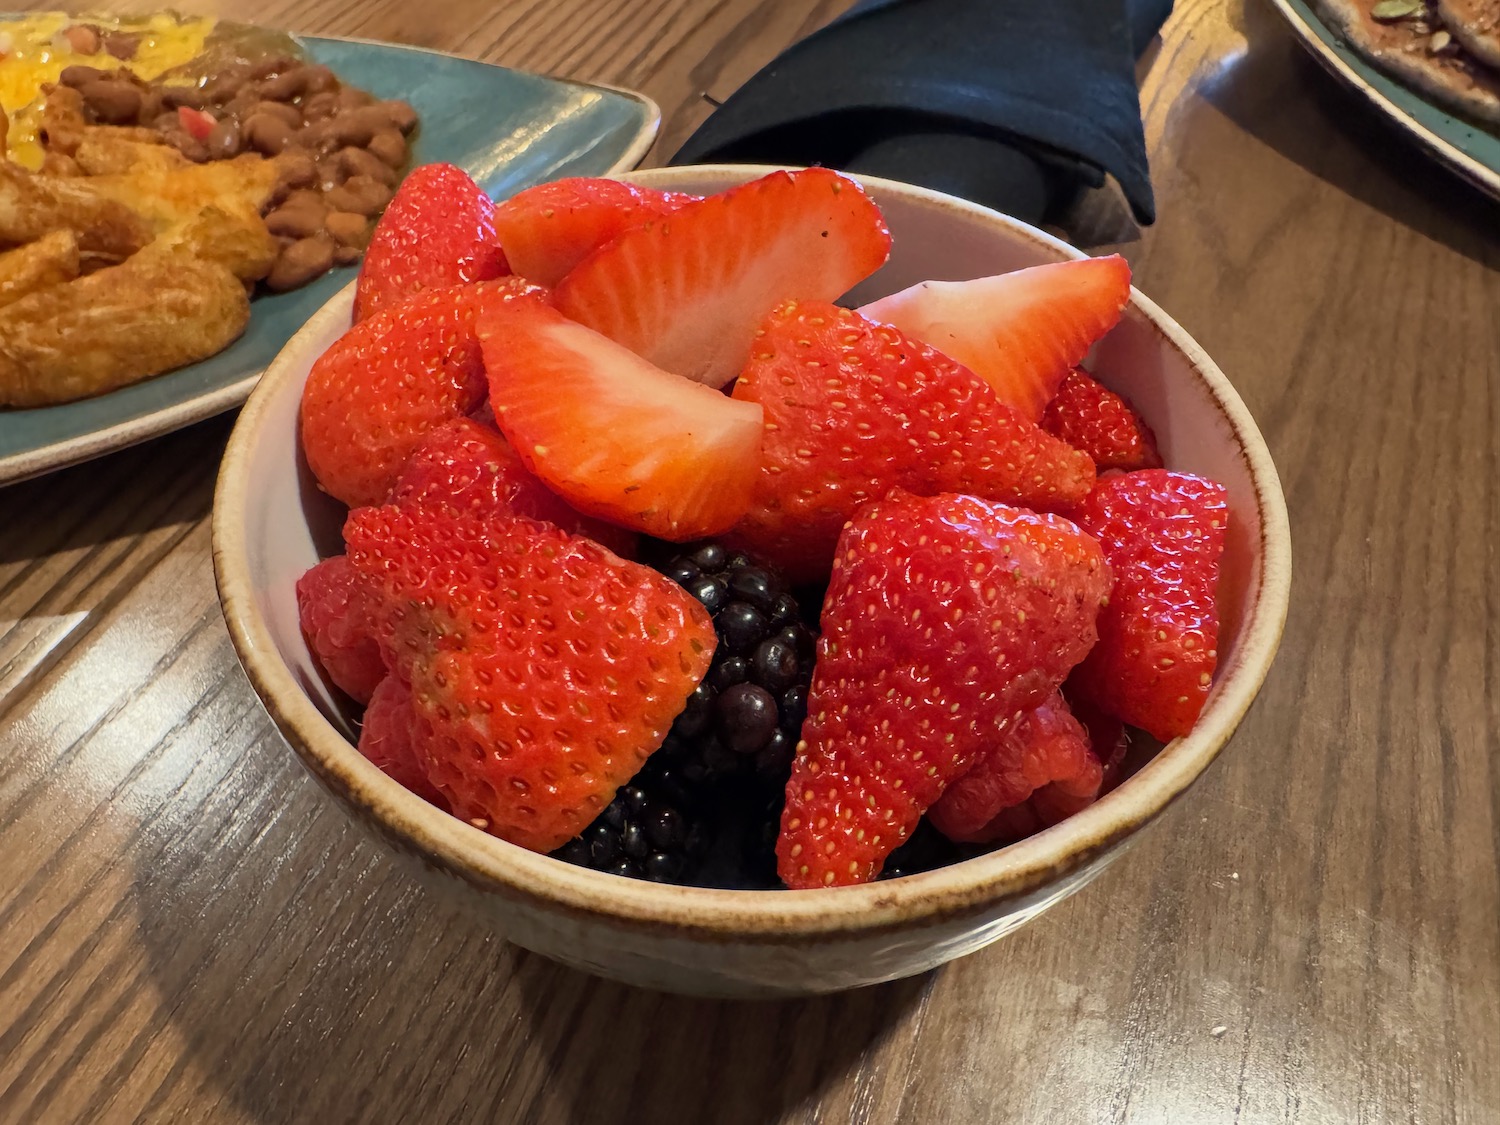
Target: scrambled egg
<point>34,50</point>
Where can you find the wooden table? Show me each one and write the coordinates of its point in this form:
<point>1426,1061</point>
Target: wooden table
<point>190,932</point>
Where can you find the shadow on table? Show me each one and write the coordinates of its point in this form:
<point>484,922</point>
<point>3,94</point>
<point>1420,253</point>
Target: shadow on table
<point>298,974</point>
<point>168,480</point>
<point>1279,94</point>
<point>617,1053</point>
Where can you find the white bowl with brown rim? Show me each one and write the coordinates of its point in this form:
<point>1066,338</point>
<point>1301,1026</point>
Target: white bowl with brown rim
<point>271,523</point>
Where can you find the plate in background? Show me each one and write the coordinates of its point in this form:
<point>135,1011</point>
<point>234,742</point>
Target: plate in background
<point>1464,147</point>
<point>507,128</point>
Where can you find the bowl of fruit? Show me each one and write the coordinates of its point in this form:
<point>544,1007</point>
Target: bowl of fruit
<point>746,581</point>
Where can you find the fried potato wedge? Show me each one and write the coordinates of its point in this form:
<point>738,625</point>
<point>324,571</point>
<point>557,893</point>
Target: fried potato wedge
<point>118,326</point>
<point>50,260</point>
<point>236,239</point>
<point>32,206</point>
<point>166,188</point>
<point>112,149</point>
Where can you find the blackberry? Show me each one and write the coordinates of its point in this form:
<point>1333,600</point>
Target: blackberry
<point>652,830</point>
<point>745,717</point>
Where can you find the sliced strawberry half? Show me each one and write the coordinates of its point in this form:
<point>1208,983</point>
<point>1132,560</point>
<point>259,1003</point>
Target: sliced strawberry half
<point>438,230</point>
<point>615,436</point>
<point>1022,331</point>
<point>687,292</point>
<point>548,229</point>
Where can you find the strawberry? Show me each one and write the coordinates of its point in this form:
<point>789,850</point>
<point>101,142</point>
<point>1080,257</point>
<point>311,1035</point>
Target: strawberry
<point>1046,750</point>
<point>1092,418</point>
<point>1163,533</point>
<point>372,397</point>
<point>548,229</point>
<point>387,737</point>
<point>543,670</point>
<point>437,231</point>
<point>945,617</point>
<point>336,622</point>
<point>613,435</point>
<point>853,409</point>
<point>688,291</point>
<point>465,467</point>
<point>1022,331</point>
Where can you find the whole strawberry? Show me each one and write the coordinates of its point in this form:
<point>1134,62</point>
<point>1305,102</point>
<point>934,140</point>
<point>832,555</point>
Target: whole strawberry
<point>372,397</point>
<point>854,409</point>
<point>548,229</point>
<point>335,620</point>
<point>543,670</point>
<point>437,231</point>
<point>945,618</point>
<point>1092,418</point>
<point>387,737</point>
<point>1163,533</point>
<point>467,468</point>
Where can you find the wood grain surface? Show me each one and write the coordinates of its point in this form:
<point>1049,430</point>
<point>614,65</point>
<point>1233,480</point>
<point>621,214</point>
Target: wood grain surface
<point>189,931</point>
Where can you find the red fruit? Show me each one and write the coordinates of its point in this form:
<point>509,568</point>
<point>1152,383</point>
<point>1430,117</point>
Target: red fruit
<point>688,292</point>
<point>373,396</point>
<point>336,620</point>
<point>945,617</point>
<point>437,231</point>
<point>1091,417</point>
<point>853,409</point>
<point>465,468</point>
<point>543,670</point>
<point>548,229</point>
<point>388,737</point>
<point>1163,533</point>
<point>1022,331</point>
<point>1045,749</point>
<point>614,436</point>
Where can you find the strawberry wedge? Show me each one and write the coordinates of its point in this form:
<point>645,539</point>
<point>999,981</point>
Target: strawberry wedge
<point>548,229</point>
<point>615,436</point>
<point>687,292</point>
<point>1022,332</point>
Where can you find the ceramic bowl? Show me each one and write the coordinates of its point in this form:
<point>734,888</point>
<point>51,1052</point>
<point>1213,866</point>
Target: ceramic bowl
<point>271,523</point>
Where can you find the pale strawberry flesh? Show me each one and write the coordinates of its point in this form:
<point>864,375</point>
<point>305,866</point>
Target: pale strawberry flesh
<point>1021,331</point>
<point>688,291</point>
<point>615,436</point>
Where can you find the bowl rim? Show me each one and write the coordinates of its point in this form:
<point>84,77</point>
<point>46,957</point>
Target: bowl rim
<point>957,891</point>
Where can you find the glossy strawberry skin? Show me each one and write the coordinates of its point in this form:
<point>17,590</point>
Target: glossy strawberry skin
<point>335,620</point>
<point>543,670</point>
<point>1163,533</point>
<point>946,618</point>
<point>854,409</point>
<point>688,291</point>
<point>616,437</point>
<point>1092,418</point>
<point>388,735</point>
<point>1045,748</point>
<point>548,229</point>
<point>373,396</point>
<point>467,468</point>
<point>1022,332</point>
<point>438,231</point>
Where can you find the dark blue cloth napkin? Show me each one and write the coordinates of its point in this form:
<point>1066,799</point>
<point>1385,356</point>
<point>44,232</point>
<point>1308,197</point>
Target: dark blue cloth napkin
<point>1015,104</point>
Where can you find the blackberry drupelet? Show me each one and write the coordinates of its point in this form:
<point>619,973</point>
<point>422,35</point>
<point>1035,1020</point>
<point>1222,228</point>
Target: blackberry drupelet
<point>651,830</point>
<point>745,717</point>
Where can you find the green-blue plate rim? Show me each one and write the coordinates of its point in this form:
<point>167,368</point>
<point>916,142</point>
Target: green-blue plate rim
<point>1445,136</point>
<point>27,462</point>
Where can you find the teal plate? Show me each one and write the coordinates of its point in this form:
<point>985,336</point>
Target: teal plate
<point>508,129</point>
<point>1467,149</point>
